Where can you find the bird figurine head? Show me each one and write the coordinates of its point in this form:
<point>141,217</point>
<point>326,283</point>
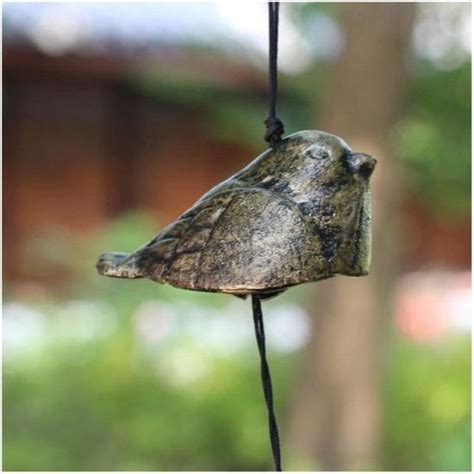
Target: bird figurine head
<point>299,212</point>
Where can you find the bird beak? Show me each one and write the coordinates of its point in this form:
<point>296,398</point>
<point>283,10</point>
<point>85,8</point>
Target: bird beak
<point>361,164</point>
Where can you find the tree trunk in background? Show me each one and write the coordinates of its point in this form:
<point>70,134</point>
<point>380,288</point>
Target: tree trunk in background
<point>335,418</point>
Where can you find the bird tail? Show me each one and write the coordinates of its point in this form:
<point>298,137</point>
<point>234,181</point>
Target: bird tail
<point>119,265</point>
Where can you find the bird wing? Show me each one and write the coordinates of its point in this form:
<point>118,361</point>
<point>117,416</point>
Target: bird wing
<point>236,240</point>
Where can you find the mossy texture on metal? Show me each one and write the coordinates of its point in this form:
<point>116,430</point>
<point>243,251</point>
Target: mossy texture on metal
<point>299,212</point>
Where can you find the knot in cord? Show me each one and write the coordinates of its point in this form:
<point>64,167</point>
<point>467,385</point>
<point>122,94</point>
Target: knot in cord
<point>275,130</point>
<point>274,125</point>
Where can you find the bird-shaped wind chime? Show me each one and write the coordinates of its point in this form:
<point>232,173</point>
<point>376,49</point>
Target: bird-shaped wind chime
<point>299,212</point>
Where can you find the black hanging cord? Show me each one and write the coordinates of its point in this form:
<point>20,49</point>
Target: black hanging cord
<point>266,380</point>
<point>273,135</point>
<point>274,125</point>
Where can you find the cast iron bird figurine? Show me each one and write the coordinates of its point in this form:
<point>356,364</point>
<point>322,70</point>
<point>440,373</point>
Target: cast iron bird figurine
<point>299,212</point>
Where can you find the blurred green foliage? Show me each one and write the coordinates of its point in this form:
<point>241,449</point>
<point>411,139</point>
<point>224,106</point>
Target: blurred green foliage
<point>427,407</point>
<point>434,140</point>
<point>95,407</point>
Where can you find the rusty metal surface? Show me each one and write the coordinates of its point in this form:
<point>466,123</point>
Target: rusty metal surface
<point>299,212</point>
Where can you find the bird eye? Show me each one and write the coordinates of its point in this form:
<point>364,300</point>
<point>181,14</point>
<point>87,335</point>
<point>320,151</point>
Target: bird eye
<point>317,153</point>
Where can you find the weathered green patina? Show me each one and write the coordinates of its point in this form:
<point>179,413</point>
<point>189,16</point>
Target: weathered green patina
<point>299,212</point>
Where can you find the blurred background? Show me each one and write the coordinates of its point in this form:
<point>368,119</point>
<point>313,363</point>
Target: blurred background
<point>116,118</point>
